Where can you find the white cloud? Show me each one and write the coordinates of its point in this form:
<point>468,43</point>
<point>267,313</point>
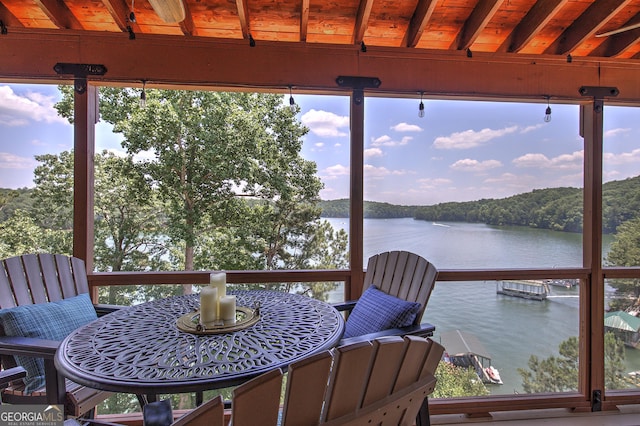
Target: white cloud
<point>337,170</point>
<point>319,144</point>
<point>324,123</point>
<point>565,161</point>
<point>16,110</point>
<point>469,165</point>
<point>433,183</point>
<point>377,172</point>
<point>386,140</point>
<point>373,152</point>
<point>622,158</point>
<point>616,132</point>
<point>470,138</point>
<point>406,127</point>
<point>12,161</point>
<point>531,128</point>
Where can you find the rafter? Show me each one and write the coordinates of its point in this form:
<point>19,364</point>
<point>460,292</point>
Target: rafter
<point>120,11</point>
<point>8,18</point>
<point>419,20</point>
<point>586,25</point>
<point>617,44</point>
<point>362,20</point>
<point>534,21</point>
<point>243,16</point>
<point>304,20</point>
<point>59,14</point>
<point>187,26</point>
<point>473,26</point>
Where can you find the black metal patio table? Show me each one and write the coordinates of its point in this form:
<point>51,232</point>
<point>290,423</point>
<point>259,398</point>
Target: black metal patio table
<point>140,349</point>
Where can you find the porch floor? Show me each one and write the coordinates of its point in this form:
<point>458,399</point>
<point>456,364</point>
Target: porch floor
<point>628,415</point>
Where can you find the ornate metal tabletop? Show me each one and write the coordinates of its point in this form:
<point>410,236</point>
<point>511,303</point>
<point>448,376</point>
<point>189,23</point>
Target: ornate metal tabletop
<point>141,350</point>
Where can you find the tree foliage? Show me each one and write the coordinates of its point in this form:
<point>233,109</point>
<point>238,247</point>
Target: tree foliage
<point>625,251</point>
<point>456,381</point>
<point>558,209</point>
<point>560,373</point>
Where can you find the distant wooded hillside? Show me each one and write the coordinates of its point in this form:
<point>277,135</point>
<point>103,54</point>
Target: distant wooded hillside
<point>558,209</point>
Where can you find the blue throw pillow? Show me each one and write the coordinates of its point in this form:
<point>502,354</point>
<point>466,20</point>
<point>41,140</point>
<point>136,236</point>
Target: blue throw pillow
<point>51,321</point>
<point>377,311</point>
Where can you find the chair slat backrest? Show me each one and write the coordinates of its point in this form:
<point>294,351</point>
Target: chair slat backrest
<point>306,385</point>
<point>257,401</point>
<point>349,378</point>
<point>381,382</point>
<point>209,414</point>
<point>402,274</point>
<point>389,352</point>
<point>41,278</point>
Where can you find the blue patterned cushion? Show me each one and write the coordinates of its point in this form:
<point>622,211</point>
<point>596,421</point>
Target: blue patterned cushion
<point>377,311</point>
<point>51,321</point>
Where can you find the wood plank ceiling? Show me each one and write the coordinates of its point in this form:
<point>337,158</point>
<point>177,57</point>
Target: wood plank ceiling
<point>532,27</point>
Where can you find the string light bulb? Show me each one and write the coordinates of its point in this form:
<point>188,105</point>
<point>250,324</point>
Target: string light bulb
<point>547,113</point>
<point>421,106</point>
<point>292,102</point>
<point>132,15</point>
<point>143,95</point>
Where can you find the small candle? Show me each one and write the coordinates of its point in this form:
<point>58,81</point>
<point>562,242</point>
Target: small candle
<point>228,308</point>
<point>208,304</point>
<point>219,281</point>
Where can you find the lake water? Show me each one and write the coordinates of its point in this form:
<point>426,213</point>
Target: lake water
<point>510,329</point>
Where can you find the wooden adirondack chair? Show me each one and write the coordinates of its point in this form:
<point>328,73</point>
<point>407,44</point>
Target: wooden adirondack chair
<point>38,279</point>
<point>404,275</point>
<point>383,382</point>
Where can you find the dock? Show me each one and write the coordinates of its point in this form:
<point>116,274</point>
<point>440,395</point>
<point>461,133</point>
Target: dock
<point>526,289</point>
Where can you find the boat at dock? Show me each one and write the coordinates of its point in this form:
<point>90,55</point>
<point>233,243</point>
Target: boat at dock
<point>463,349</point>
<point>526,289</point>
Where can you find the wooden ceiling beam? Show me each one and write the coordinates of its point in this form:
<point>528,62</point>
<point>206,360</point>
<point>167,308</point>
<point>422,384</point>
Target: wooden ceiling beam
<point>311,68</point>
<point>120,12</point>
<point>477,21</point>
<point>304,20</point>
<point>8,18</point>
<point>587,24</point>
<point>362,20</point>
<point>243,17</point>
<point>534,21</point>
<point>419,20</point>
<point>187,25</point>
<point>59,14</point>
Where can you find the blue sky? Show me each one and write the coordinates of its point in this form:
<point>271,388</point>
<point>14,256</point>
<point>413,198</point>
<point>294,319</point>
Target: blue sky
<point>458,151</point>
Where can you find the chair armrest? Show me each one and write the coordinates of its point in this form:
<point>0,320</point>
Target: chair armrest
<point>28,346</point>
<point>345,306</point>
<point>104,309</point>
<point>424,330</point>
<point>11,374</point>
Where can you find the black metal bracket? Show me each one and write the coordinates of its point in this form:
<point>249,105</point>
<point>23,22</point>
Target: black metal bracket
<point>80,72</point>
<point>358,82</point>
<point>599,92</point>
<point>596,400</point>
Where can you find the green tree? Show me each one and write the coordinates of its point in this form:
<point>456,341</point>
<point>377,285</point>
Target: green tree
<point>625,251</point>
<point>457,381</point>
<point>212,151</point>
<point>560,373</point>
<point>20,234</point>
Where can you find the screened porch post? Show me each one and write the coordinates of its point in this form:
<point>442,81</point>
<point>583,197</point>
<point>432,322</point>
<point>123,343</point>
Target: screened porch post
<point>592,296</point>
<point>85,116</point>
<point>356,197</point>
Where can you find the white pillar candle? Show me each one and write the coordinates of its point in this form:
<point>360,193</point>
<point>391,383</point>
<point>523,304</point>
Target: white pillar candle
<point>208,304</point>
<point>219,281</point>
<point>228,308</point>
